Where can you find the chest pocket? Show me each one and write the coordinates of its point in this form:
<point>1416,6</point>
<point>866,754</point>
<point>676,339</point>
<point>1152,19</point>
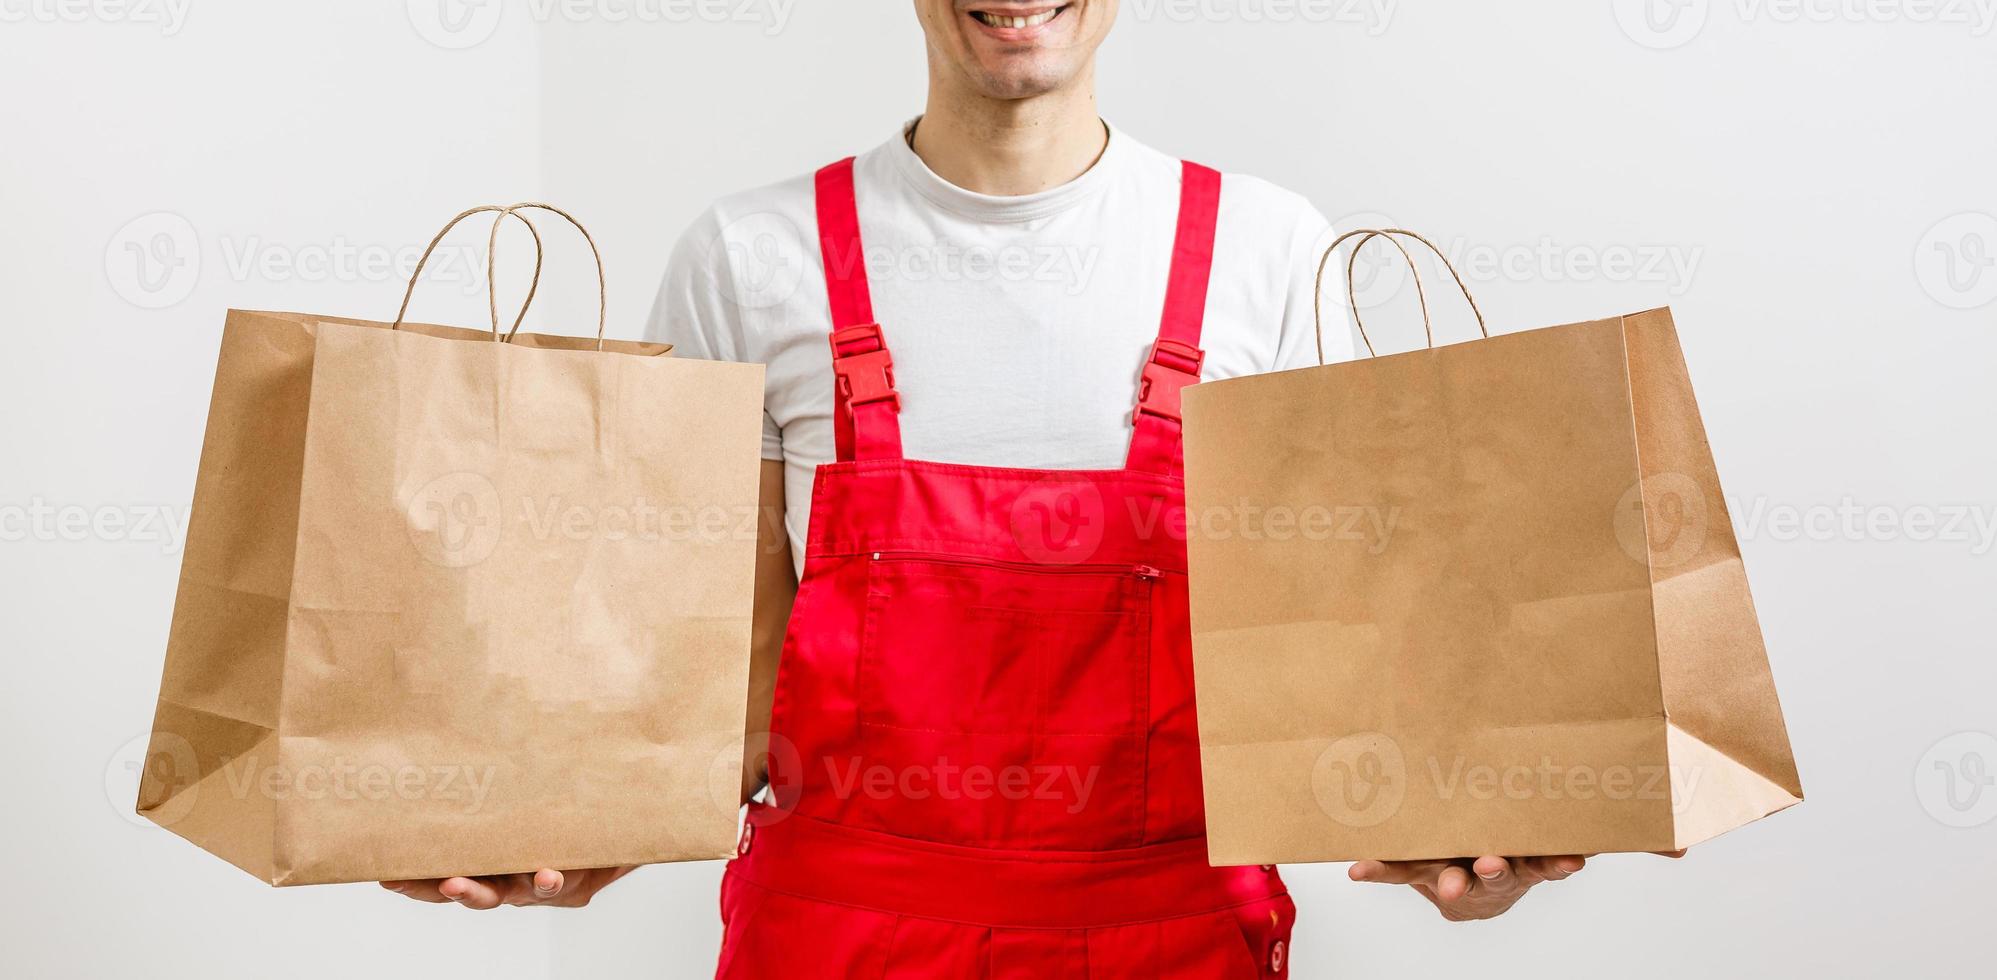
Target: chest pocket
<point>1005,704</point>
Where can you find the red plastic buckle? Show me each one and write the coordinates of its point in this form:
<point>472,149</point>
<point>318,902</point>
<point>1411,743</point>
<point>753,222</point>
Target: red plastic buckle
<point>864,369</point>
<point>1173,366</point>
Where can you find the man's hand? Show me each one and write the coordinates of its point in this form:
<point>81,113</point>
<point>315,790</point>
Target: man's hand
<point>559,889</point>
<point>1465,890</point>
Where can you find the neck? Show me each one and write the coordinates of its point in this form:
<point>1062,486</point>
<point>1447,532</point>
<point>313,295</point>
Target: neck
<point>1010,147</point>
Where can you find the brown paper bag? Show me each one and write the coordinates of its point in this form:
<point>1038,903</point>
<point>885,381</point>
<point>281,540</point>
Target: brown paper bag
<point>452,605</point>
<point>1476,599</point>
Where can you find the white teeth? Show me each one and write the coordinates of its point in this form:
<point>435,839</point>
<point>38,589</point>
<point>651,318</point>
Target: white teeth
<point>999,20</point>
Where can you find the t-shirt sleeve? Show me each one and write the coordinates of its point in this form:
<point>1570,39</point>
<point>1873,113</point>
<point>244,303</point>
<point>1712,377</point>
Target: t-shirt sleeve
<point>694,313</point>
<point>1298,346</point>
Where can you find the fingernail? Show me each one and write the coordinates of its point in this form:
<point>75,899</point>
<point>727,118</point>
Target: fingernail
<point>392,886</point>
<point>1493,876</point>
<point>544,889</point>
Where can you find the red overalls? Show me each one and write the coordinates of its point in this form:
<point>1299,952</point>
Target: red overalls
<point>983,747</point>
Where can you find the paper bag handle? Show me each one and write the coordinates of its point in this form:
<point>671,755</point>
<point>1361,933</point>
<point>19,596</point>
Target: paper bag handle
<point>1317,293</point>
<point>602,294</point>
<point>492,287</point>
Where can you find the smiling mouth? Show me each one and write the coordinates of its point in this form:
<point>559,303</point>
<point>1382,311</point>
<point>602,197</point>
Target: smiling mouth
<point>1018,21</point>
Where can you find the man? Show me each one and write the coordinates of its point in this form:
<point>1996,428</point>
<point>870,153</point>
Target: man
<point>984,753</point>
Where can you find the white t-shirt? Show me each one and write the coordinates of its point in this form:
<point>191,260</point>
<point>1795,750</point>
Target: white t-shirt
<point>1018,325</point>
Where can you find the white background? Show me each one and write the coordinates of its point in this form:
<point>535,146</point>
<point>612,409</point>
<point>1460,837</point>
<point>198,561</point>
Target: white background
<point>1808,186</point>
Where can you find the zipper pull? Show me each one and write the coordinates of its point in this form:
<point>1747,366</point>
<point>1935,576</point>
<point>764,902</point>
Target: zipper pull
<point>1146,572</point>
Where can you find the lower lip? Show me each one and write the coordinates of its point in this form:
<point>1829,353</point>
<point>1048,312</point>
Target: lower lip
<point>1018,34</point>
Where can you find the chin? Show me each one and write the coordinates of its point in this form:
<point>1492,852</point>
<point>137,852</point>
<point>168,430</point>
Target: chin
<point>1018,49</point>
<point>1016,84</point>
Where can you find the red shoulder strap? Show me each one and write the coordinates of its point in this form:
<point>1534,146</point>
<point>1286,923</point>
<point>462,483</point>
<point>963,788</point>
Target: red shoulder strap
<point>1176,357</point>
<point>865,408</point>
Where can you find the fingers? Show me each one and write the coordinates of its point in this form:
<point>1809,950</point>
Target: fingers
<point>1554,868</point>
<point>1495,872</point>
<point>1454,883</point>
<point>1452,880</point>
<point>1500,874</point>
<point>1467,889</point>
<point>422,890</point>
<point>490,892</point>
<point>1397,872</point>
<point>472,893</point>
<point>548,884</point>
